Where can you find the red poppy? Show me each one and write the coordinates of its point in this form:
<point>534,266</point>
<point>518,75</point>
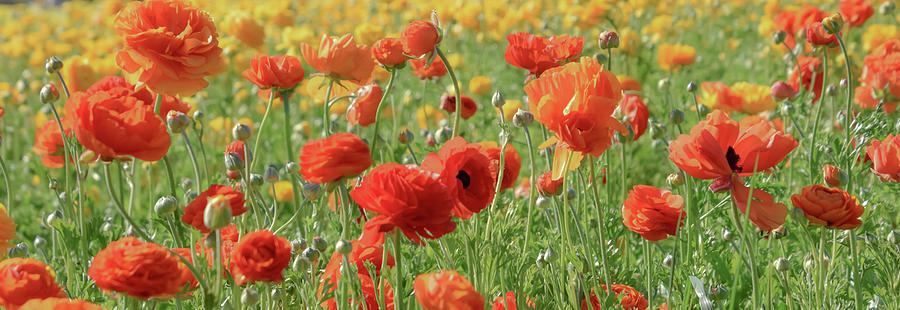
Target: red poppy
<point>546,186</point>
<point>337,156</point>
<point>508,302</point>
<point>48,144</point>
<point>138,269</point>
<point>435,69</point>
<point>653,213</point>
<point>236,148</point>
<point>885,157</point>
<point>855,12</point>
<point>764,212</point>
<point>636,114</point>
<point>411,199</point>
<point>632,299</point>
<point>448,103</point>
<point>260,256</point>
<point>282,71</point>
<point>538,54</point>
<point>363,108</point>
<point>419,38</point>
<point>829,207</point>
<point>465,168</point>
<point>512,162</point>
<point>808,67</point>
<point>193,212</point>
<point>389,52</point>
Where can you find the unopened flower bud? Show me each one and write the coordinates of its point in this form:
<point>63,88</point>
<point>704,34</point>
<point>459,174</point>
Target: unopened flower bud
<point>311,191</point>
<point>300,264</point>
<point>233,162</point>
<point>831,90</point>
<point>608,39</point>
<point>781,264</point>
<point>571,194</point>
<point>271,174</point>
<point>779,232</point>
<point>843,83</point>
<point>187,184</point>
<point>887,8</point>
<point>217,214</point>
<point>53,64</point>
<point>692,87</point>
<point>88,157</point>
<point>718,292</point>
<point>298,245</point>
<point>676,116</point>
<point>833,23</point>
<point>177,121</point>
<point>49,94</point>
<point>542,202</point>
<point>443,134</point>
<point>668,260</point>
<point>256,180</point>
<point>198,115</point>
<point>893,237</point>
<point>319,244</point>
<point>40,242</point>
<point>663,84</point>
<point>675,179</point>
<point>834,176</point>
<point>550,255</point>
<point>54,219</point>
<point>20,250</point>
<point>522,118</point>
<point>250,297</point>
<point>165,205</point>
<point>781,90</point>
<point>310,254</point>
<point>241,132</point>
<point>497,100</point>
<point>54,185</point>
<point>343,247</point>
<point>727,235</point>
<point>405,136</point>
<point>779,36</point>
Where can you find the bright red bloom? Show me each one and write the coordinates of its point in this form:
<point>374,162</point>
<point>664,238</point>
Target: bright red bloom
<point>337,156</point>
<point>796,20</point>
<point>512,162</point>
<point>435,69</point>
<point>340,58</point>
<point>882,68</point>
<point>653,213</point>
<point>188,278</point>
<point>538,54</point>
<point>411,199</point>
<point>282,71</point>
<point>446,290</point>
<point>508,302</point>
<point>546,186</point>
<point>389,52</point>
<point>119,87</point>
<point>448,103</point>
<point>816,35</point>
<point>48,144</point>
<point>636,114</point>
<point>764,212</point>
<point>465,168</point>
<point>808,67</point>
<point>230,236</point>
<point>419,38</point>
<point>363,108</point>
<point>138,269</point>
<point>260,256</point>
<point>632,299</point>
<point>193,212</point>
<point>829,207</point>
<point>22,279</point>
<point>885,156</point>
<point>236,148</point>
<point>855,12</point>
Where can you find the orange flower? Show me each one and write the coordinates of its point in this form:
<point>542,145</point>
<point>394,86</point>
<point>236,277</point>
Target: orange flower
<point>330,159</point>
<point>193,212</point>
<point>546,186</point>
<point>833,175</point>
<point>508,302</point>
<point>671,57</point>
<point>793,21</point>
<point>446,290</point>
<point>829,207</point>
<point>808,67</point>
<point>236,148</point>
<point>340,58</point>
<point>816,35</point>
<point>856,12</point>
<point>188,278</point>
<point>636,114</point>
<point>365,251</point>
<point>59,303</point>
<point>764,212</point>
<point>408,198</point>
<point>245,28</point>
<point>389,52</point>
<point>170,46</point>
<point>512,162</point>
<point>138,269</point>
<point>48,144</point>
<point>260,256</point>
<point>435,69</point>
<point>653,213</point>
<point>864,98</point>
<point>7,231</point>
<point>363,108</point>
<point>22,279</point>
<point>576,101</point>
<point>465,168</point>
<point>448,103</point>
<point>230,236</point>
<point>629,83</point>
<point>885,155</point>
<point>538,54</point>
<point>717,95</point>
<point>632,299</point>
<point>113,121</point>
<point>419,38</point>
<point>882,68</point>
<point>282,72</point>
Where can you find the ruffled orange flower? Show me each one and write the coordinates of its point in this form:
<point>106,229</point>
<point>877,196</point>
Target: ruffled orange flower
<point>419,38</point>
<point>249,31</point>
<point>389,52</point>
<point>169,46</point>
<point>465,168</point>
<point>885,156</point>
<point>538,54</point>
<point>653,213</point>
<point>363,108</point>
<point>22,279</point>
<point>48,144</point>
<point>671,57</point>
<point>636,114</point>
<point>193,212</point>
<point>765,213</point>
<point>793,21</point>
<point>508,302</point>
<point>340,58</point>
<point>260,256</point>
<point>633,300</point>
<point>188,278</point>
<point>855,12</point>
<point>808,66</point>
<point>7,231</point>
<point>446,290</point>
<point>138,269</point>
<point>118,86</point>
<point>816,35</point>
<point>365,251</point>
<point>282,71</point>
<point>832,175</point>
<point>882,68</point>
<point>829,207</point>
<point>448,103</point>
<point>59,303</point>
<point>330,159</point>
<point>435,69</point>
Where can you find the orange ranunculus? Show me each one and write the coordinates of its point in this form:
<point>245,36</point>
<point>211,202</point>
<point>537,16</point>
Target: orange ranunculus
<point>833,176</point>
<point>508,302</point>
<point>193,212</point>
<point>117,86</point>
<point>364,107</point>
<point>389,52</point>
<point>864,98</point>
<point>446,290</point>
<point>808,66</point>
<point>512,162</point>
<point>22,279</point>
<point>282,72</point>
<point>816,35</point>
<point>448,103</point>
<point>188,278</point>
<point>138,269</point>
<point>765,213</point>
<point>633,300</point>
<point>576,101</point>
<point>653,213</point>
<point>882,68</point>
<point>340,58</point>
<point>718,96</point>
<point>855,12</point>
<point>230,236</point>
<point>717,146</point>
<point>636,114</point>
<point>7,231</point>
<point>465,168</point>
<point>435,69</point>
<point>59,303</point>
<point>260,256</point>
<point>885,155</point>
<point>236,148</point>
<point>365,251</point>
<point>330,159</point>
<point>829,207</point>
<point>671,57</point>
<point>408,198</point>
<point>793,21</point>
<point>419,38</point>
<point>112,122</point>
<point>242,25</point>
<point>169,46</point>
<point>547,186</point>
<point>48,144</point>
<point>538,54</point>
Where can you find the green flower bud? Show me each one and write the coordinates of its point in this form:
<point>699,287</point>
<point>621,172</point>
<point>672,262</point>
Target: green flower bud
<point>53,65</point>
<point>497,100</point>
<point>249,297</point>
<point>217,214</point>
<point>49,94</point>
<point>165,205</point>
<point>241,132</point>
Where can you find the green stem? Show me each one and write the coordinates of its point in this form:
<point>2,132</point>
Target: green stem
<point>849,121</point>
<point>196,165</point>
<point>173,187</point>
<point>458,118</point>
<point>384,95</point>
<point>815,129</point>
<point>5,179</point>
<point>601,225</point>
<point>745,243</point>
<point>121,208</point>
<point>531,187</point>
<point>398,286</point>
<point>261,126</point>
<point>326,121</point>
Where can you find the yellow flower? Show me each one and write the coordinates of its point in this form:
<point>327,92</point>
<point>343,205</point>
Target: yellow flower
<point>368,33</point>
<point>291,37</point>
<point>7,231</point>
<point>283,191</point>
<point>480,85</point>
<point>659,27</point>
<point>241,25</point>
<point>876,35</point>
<point>756,98</point>
<point>510,108</point>
<point>429,117</point>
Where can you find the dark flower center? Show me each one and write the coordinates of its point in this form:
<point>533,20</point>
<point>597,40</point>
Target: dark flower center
<point>733,158</point>
<point>464,178</point>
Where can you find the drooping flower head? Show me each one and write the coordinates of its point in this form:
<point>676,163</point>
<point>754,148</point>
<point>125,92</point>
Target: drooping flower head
<point>138,269</point>
<point>465,168</point>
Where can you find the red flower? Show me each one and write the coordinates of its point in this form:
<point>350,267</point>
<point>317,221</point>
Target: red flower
<point>22,279</point>
<point>855,12</point>
<point>546,186</point>
<point>508,302</point>
<point>187,276</point>
<point>363,108</point>
<point>411,199</point>
<point>330,159</point>
<point>236,148</point>
<point>829,207</point>
<point>796,20</point>
<point>419,38</point>
<point>364,252</point>
<point>636,114</point>
<point>138,269</point>
<point>119,87</point>
<point>512,162</point>
<point>816,35</point>
<point>466,170</point>
<point>389,52</point>
<point>882,68</point>
<point>446,290</point>
<point>653,213</point>
<point>885,156</point>
<point>808,66</point>
<point>448,103</point>
<point>193,212</point>
<point>538,54</point>
<point>260,256</point>
<point>59,303</point>
<point>230,236</point>
<point>764,212</point>
<point>48,144</point>
<point>833,175</point>
<point>435,69</point>
<point>632,299</point>
<point>282,71</point>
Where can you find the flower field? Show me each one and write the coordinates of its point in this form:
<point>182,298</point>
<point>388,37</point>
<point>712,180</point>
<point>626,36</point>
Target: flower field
<point>366,154</point>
